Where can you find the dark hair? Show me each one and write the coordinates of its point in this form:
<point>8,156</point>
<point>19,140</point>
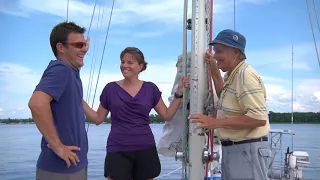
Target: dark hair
<point>137,54</point>
<point>60,33</point>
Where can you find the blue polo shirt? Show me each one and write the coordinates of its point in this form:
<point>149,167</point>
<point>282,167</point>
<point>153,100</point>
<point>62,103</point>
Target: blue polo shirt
<point>63,83</point>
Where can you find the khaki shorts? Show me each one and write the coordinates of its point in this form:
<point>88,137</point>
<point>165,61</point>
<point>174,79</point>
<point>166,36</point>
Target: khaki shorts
<point>45,175</point>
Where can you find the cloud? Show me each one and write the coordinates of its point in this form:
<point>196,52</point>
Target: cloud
<point>11,7</point>
<point>143,18</point>
<point>165,11</point>
<point>126,13</point>
<point>275,64</point>
<point>304,57</point>
<point>149,34</point>
<point>317,95</point>
<point>256,1</point>
<point>17,84</point>
<point>306,95</point>
<point>296,65</point>
<point>272,65</point>
<point>267,79</point>
<point>10,104</point>
<point>17,78</point>
<point>308,85</point>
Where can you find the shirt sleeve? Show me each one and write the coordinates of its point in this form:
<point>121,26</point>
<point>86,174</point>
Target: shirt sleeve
<point>251,95</point>
<point>104,99</point>
<point>156,95</point>
<point>54,80</point>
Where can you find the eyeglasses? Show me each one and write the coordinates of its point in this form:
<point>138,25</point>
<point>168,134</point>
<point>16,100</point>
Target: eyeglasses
<point>78,45</point>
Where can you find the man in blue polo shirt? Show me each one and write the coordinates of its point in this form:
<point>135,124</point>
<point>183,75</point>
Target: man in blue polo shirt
<point>56,107</point>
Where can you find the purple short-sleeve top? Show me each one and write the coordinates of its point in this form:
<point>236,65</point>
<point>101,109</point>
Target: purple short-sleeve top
<point>130,120</point>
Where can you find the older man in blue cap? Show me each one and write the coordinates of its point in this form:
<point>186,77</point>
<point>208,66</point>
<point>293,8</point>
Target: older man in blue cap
<point>242,120</point>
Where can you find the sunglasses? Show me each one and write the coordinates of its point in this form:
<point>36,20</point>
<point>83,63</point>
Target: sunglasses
<point>78,45</point>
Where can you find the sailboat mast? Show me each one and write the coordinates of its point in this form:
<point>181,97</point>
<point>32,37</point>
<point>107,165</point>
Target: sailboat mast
<point>68,10</point>
<point>292,99</point>
<point>185,92</point>
<point>197,89</point>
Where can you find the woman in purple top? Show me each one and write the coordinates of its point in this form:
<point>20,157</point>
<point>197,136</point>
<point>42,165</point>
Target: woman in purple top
<point>131,148</point>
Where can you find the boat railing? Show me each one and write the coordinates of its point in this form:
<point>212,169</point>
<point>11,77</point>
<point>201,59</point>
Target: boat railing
<point>276,145</point>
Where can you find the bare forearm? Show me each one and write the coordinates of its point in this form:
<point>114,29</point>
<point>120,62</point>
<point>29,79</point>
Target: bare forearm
<point>172,109</point>
<point>218,84</point>
<point>241,122</point>
<point>91,114</point>
<point>42,116</point>
<point>217,79</point>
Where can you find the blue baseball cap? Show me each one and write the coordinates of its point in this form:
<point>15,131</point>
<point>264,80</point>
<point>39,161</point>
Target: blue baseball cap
<point>231,38</point>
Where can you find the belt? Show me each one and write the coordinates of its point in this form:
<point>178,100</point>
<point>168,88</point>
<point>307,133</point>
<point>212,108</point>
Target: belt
<point>230,143</point>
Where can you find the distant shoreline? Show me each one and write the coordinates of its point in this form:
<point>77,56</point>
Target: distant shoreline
<point>274,118</point>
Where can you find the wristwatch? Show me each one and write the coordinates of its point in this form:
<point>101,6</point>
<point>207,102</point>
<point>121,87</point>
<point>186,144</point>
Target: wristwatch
<point>176,95</point>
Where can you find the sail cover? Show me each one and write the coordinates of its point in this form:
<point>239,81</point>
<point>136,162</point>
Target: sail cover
<point>171,140</point>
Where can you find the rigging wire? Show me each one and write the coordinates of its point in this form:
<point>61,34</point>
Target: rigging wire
<point>315,9</point>
<point>94,57</point>
<point>169,173</point>
<point>186,92</point>
<point>210,138</point>
<point>314,39</point>
<point>94,8</point>
<point>93,61</point>
<point>104,47</point>
<point>234,15</point>
<point>68,2</point>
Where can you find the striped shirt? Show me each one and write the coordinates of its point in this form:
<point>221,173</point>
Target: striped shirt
<point>243,94</point>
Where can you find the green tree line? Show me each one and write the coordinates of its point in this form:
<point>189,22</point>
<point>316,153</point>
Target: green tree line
<point>299,117</point>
